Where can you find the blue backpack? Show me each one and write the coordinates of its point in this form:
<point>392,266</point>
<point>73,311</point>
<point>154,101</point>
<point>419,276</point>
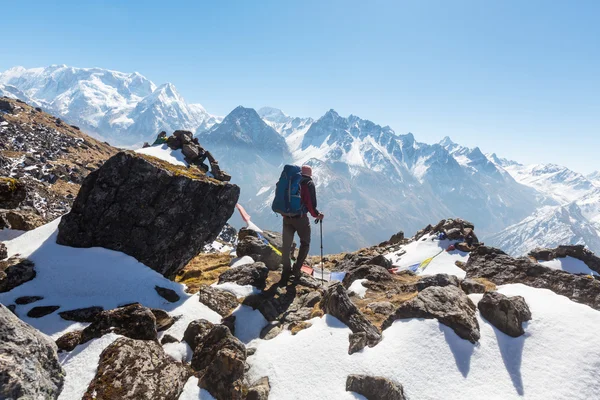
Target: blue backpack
<point>287,200</point>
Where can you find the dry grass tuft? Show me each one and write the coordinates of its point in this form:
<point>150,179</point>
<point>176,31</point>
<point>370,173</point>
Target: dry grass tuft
<point>489,286</point>
<point>204,269</point>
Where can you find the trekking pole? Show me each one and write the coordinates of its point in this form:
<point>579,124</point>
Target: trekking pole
<point>320,221</point>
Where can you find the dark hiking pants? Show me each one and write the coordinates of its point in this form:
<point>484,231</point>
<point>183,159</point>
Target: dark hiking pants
<point>291,225</point>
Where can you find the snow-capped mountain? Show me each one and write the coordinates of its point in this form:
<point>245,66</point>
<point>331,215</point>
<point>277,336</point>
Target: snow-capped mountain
<point>120,107</point>
<point>594,177</point>
<point>548,227</point>
<point>284,124</point>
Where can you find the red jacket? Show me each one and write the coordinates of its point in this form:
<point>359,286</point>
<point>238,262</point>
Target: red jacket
<point>308,195</point>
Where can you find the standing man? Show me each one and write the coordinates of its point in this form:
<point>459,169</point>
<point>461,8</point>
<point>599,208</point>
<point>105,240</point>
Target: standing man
<point>299,224</point>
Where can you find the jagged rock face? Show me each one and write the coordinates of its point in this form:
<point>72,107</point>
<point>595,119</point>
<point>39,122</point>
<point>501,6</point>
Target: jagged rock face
<point>134,321</point>
<point>249,244</point>
<point>220,359</point>
<point>220,301</point>
<point>156,212</point>
<point>374,387</point>
<point>29,367</point>
<point>576,251</point>
<point>337,303</point>
<point>454,229</point>
<point>505,313</point>
<point>137,369</point>
<point>15,272</point>
<point>500,268</point>
<point>448,304</point>
<point>437,280</point>
<point>254,274</point>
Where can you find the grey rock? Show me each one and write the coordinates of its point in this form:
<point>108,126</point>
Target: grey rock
<point>39,312</point>
<point>218,300</point>
<point>373,273</point>
<point>196,331</point>
<point>374,387</point>
<point>249,244</point>
<point>12,192</point>
<point>254,274</point>
<point>163,320</point>
<point>87,314</point>
<point>271,330</point>
<point>470,286</point>
<point>134,321</point>
<point>137,369</point>
<point>505,313</point>
<point>448,304</point>
<point>168,294</point>
<point>161,214</point>
<point>69,341</point>
<point>3,251</point>
<point>576,251</point>
<point>15,272</point>
<point>380,260</point>
<point>337,303</point>
<point>381,307</point>
<point>28,300</point>
<point>437,280</point>
<point>500,268</point>
<point>29,367</point>
<point>358,341</point>
<point>168,339</point>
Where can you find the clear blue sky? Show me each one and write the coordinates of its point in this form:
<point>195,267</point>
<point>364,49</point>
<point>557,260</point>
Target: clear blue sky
<point>521,78</point>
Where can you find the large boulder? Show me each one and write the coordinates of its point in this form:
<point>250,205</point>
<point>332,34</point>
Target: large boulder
<point>29,366</point>
<point>437,280</point>
<point>260,246</point>
<point>505,313</point>
<point>14,272</point>
<point>218,300</point>
<point>220,359</point>
<point>134,321</point>
<point>254,274</point>
<point>337,303</point>
<point>374,387</point>
<point>448,304</point>
<point>137,369</point>
<point>157,212</point>
<point>500,268</point>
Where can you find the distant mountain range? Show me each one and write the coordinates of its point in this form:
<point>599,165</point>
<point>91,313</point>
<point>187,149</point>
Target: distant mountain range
<point>371,181</point>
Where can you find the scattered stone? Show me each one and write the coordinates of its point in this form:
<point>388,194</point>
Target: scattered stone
<point>220,359</point>
<point>3,251</point>
<point>374,387</point>
<point>128,203</point>
<point>271,330</point>
<point>69,341</point>
<point>437,280</point>
<point>39,312</point>
<point>168,294</point>
<point>250,351</point>
<point>134,321</point>
<point>254,274</point>
<point>470,286</point>
<point>296,327</point>
<point>168,339</point>
<point>218,300</point>
<point>381,260</point>
<point>500,268</point>
<point>29,367</point>
<point>259,390</point>
<point>337,303</point>
<point>12,192</point>
<point>163,320</point>
<point>196,331</point>
<point>358,341</point>
<point>505,313</point>
<point>373,273</point>
<point>15,272</point>
<point>448,304</point>
<point>28,300</point>
<point>137,369</point>
<point>381,307</point>
<point>249,244</point>
<point>21,220</point>
<point>88,314</point>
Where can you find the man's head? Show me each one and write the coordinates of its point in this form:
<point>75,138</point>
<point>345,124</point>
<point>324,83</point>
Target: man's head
<point>306,170</point>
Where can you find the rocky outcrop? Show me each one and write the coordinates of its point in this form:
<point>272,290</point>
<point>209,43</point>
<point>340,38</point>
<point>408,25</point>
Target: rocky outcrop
<point>15,272</point>
<point>29,366</point>
<point>168,294</point>
<point>437,280</point>
<point>88,314</point>
<point>12,192</point>
<point>137,369</point>
<point>505,313</point>
<point>453,229</point>
<point>374,387</point>
<point>220,359</point>
<point>576,251</point>
<point>448,304</point>
<point>220,301</point>
<point>470,286</point>
<point>283,306</point>
<point>254,274</point>
<point>337,303</point>
<point>371,272</point>
<point>157,212</point>
<point>134,321</point>
<point>250,244</point>
<point>500,268</point>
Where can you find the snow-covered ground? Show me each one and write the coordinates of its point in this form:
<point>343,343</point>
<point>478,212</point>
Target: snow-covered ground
<point>569,264</point>
<point>165,153</point>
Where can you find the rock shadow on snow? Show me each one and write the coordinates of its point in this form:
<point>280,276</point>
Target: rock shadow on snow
<point>461,349</point>
<point>511,350</point>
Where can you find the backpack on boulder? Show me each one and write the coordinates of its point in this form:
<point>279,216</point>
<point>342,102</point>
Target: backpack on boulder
<point>287,201</point>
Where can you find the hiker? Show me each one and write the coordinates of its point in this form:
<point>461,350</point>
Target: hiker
<point>300,224</point>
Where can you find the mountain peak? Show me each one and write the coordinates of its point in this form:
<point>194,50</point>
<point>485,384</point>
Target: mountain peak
<point>446,141</point>
<point>272,114</point>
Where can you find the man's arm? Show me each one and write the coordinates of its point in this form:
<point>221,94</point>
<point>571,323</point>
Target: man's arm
<point>309,198</point>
